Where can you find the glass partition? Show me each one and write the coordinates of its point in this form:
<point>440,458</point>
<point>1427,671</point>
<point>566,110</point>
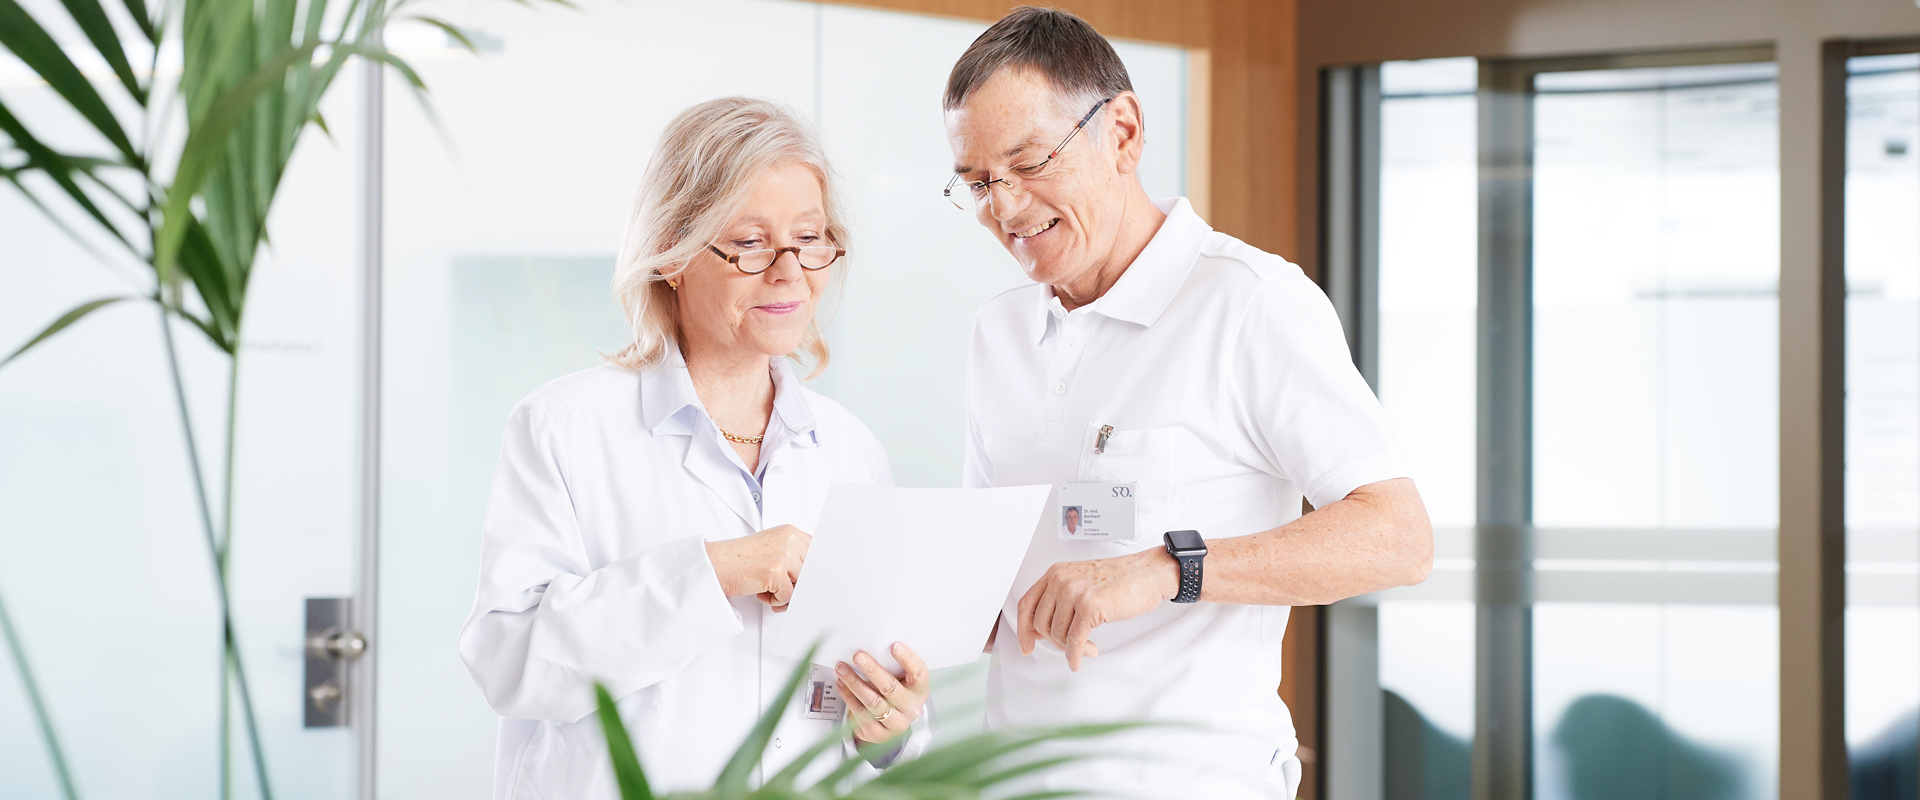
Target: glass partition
<point>500,247</point>
<point>1655,396</point>
<point>1883,424</point>
<point>104,564</point>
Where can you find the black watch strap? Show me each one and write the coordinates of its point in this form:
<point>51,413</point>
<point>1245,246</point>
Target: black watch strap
<point>1190,574</point>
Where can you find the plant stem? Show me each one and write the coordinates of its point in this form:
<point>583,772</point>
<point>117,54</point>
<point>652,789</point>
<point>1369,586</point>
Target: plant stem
<point>232,659</point>
<point>39,705</point>
<point>224,547</point>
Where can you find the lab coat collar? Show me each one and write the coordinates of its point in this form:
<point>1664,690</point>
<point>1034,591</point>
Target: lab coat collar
<point>790,405</point>
<point>669,405</point>
<point>1150,282</point>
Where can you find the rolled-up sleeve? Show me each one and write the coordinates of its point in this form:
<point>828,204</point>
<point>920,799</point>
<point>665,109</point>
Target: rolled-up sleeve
<point>547,623</point>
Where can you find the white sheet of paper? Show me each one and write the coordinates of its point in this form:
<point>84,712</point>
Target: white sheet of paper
<point>927,567</point>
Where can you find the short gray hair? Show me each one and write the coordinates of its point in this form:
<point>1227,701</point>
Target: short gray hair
<point>702,173</point>
<point>1073,57</point>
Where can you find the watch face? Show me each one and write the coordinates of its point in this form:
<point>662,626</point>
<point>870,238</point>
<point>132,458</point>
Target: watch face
<point>1186,543</point>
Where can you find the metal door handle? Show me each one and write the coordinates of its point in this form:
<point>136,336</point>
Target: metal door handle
<point>332,647</point>
<point>337,645</point>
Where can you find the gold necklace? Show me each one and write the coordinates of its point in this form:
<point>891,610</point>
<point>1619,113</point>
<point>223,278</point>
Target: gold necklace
<point>740,439</point>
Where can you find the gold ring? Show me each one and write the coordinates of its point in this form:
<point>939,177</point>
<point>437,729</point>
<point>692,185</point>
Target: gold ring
<point>883,717</point>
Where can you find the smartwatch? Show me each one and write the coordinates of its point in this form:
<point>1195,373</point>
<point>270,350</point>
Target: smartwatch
<point>1188,549</point>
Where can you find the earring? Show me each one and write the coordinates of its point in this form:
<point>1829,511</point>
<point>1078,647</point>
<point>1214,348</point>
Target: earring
<point>673,286</point>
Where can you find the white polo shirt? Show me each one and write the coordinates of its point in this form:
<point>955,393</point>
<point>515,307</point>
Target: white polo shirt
<point>1227,381</point>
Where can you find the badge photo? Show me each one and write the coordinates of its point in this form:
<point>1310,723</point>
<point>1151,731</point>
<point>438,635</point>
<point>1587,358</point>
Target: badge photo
<point>1102,511</point>
<point>821,699</point>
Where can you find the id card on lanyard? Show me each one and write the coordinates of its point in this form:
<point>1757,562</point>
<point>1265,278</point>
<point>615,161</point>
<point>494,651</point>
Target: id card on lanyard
<point>1103,511</point>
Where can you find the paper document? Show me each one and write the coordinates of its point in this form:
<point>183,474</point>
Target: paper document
<point>927,567</point>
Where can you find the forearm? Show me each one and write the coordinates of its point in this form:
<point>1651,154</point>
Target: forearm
<point>1377,537</point>
<point>629,624</point>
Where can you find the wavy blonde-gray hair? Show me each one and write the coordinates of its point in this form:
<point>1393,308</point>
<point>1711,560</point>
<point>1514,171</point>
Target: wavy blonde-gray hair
<point>701,175</point>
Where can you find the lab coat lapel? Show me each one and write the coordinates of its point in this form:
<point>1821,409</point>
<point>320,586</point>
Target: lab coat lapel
<point>670,407</point>
<point>706,462</point>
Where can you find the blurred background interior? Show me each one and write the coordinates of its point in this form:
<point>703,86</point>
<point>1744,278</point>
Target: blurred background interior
<point>1637,281</point>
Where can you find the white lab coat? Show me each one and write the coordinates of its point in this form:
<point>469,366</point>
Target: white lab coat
<point>593,567</point>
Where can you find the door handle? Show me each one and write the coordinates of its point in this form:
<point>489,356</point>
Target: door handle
<point>331,648</point>
<point>337,645</point>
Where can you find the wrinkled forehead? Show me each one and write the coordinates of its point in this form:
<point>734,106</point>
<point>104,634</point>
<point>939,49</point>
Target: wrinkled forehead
<point>1011,117</point>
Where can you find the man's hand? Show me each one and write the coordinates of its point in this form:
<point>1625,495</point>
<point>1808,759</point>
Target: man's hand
<point>1074,597</point>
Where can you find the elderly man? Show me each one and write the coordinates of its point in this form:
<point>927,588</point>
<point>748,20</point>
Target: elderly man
<point>1186,391</point>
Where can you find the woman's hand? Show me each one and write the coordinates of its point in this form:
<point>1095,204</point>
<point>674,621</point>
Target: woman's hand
<point>884,705</point>
<point>765,564</point>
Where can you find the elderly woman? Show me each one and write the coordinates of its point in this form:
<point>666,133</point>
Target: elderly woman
<point>649,517</point>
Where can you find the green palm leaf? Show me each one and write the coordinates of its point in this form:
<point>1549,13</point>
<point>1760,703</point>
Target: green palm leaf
<point>60,324</point>
<point>93,22</point>
<point>956,771</point>
<point>24,37</point>
<point>626,761</point>
<point>733,777</point>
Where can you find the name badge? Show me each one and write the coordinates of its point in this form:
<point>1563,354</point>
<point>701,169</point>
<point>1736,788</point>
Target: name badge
<point>821,700</point>
<point>1097,511</point>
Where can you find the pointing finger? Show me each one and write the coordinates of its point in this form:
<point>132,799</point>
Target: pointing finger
<point>1077,640</point>
<point>1024,625</point>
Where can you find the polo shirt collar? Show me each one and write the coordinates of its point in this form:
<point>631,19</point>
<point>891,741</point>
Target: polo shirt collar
<point>1147,287</point>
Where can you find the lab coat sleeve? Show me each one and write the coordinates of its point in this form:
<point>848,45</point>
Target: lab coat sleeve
<point>919,740</point>
<point>546,623</point>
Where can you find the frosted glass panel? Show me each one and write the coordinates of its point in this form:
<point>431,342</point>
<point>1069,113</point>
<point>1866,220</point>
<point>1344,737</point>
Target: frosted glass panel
<point>500,247</point>
<point>1883,424</point>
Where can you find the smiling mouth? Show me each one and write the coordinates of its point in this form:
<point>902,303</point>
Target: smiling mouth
<point>1037,229</point>
<point>778,308</point>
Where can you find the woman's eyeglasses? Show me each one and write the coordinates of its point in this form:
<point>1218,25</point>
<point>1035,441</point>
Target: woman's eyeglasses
<point>977,194</point>
<point>754,262</point>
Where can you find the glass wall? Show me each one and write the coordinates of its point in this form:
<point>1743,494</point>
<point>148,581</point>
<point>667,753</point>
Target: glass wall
<point>1883,424</point>
<point>500,247</point>
<point>103,561</point>
<point>1428,296</point>
<point>1655,392</point>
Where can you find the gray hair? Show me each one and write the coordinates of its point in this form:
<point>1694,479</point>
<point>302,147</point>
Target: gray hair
<point>701,175</point>
<point>1079,63</point>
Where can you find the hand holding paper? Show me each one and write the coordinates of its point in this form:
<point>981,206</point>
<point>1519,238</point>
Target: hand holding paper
<point>927,567</point>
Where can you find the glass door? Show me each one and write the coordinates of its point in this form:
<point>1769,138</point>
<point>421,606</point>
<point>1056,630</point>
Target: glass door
<point>1883,421</point>
<point>105,568</point>
<point>1588,397</point>
<point>1654,387</point>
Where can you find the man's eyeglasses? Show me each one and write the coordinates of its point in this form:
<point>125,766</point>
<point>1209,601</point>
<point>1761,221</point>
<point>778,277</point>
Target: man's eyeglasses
<point>754,262</point>
<point>972,195</point>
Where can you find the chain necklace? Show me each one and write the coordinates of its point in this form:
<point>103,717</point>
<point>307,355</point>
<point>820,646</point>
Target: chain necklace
<point>740,439</point>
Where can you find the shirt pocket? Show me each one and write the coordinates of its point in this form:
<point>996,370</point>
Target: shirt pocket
<point>1147,457</point>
